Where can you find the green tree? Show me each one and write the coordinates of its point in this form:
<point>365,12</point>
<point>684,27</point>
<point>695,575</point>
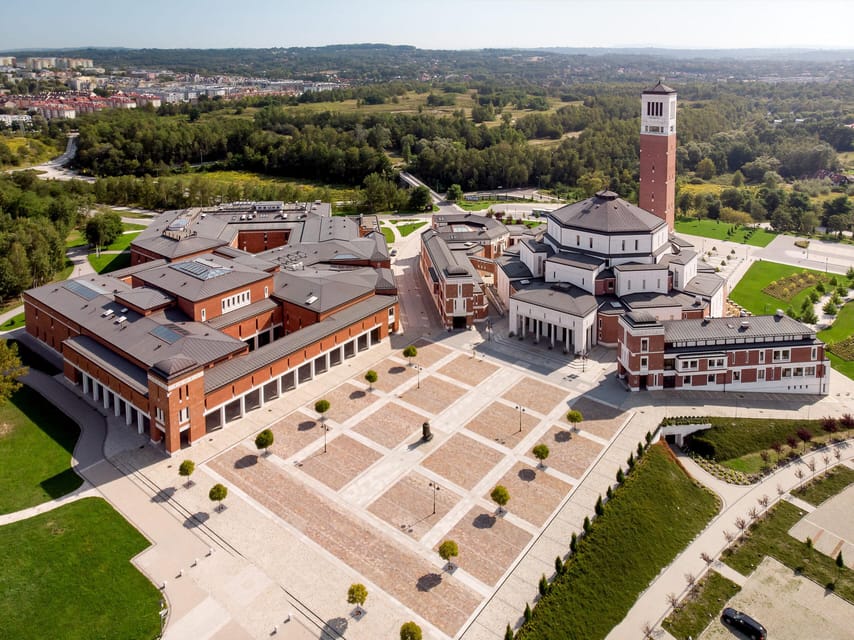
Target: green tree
<point>455,193</point>
<point>357,594</point>
<point>508,633</point>
<point>410,352</point>
<point>419,199</point>
<point>500,496</point>
<point>574,417</point>
<point>541,452</point>
<point>371,377</point>
<point>185,470</point>
<point>103,228</point>
<point>738,179</point>
<point>706,169</point>
<point>322,406</point>
<point>410,631</point>
<point>217,494</point>
<point>264,440</point>
<point>10,370</point>
<point>449,550</point>
<point>840,563</point>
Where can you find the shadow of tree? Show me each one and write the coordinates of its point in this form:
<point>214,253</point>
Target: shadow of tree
<point>397,370</point>
<point>246,461</point>
<point>355,395</point>
<point>527,475</point>
<point>164,495</point>
<point>197,519</point>
<point>334,628</point>
<point>484,521</point>
<point>563,436</point>
<point>428,581</point>
<point>306,425</point>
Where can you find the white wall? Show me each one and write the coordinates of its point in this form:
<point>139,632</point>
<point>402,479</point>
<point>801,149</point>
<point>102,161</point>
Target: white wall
<point>583,278</point>
<point>579,326</point>
<point>717,304</point>
<point>640,281</point>
<point>534,261</point>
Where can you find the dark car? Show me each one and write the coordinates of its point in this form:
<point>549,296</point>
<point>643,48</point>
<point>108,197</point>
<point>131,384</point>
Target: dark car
<point>744,623</point>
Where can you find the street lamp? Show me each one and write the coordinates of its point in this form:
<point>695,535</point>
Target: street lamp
<point>521,410</point>
<point>435,486</point>
<point>325,429</point>
<point>418,372</point>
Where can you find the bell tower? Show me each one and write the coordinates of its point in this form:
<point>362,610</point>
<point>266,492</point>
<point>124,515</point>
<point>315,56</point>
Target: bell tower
<point>658,153</point>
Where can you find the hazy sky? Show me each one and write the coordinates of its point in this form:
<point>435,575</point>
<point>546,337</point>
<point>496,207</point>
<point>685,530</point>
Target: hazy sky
<point>438,24</point>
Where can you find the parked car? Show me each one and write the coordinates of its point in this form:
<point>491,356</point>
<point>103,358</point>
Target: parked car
<point>744,623</point>
<point>393,252</point>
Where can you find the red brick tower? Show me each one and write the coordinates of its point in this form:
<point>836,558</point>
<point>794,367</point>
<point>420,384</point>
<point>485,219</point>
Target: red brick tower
<point>658,153</point>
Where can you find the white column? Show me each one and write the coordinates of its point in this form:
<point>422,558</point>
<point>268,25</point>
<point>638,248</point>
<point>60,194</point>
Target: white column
<point>95,387</point>
<point>106,397</point>
<point>140,425</point>
<point>117,410</point>
<point>524,324</point>
<point>242,406</point>
<point>552,331</point>
<point>128,413</point>
<point>85,384</point>
<point>566,339</point>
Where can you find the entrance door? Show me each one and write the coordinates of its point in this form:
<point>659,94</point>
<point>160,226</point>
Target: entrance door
<point>459,322</point>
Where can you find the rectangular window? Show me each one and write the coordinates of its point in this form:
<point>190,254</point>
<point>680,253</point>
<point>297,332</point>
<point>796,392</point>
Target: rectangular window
<point>204,315</point>
<point>760,374</point>
<point>591,243</point>
<point>813,353</point>
<point>711,378</point>
<point>624,245</point>
<point>158,414</point>
<point>644,345</point>
<point>781,355</point>
<point>577,241</point>
<point>686,380</point>
<point>184,415</point>
<point>644,362</point>
<point>736,376</point>
<point>787,373</point>
<point>762,356</point>
<point>809,371</point>
<point>236,301</point>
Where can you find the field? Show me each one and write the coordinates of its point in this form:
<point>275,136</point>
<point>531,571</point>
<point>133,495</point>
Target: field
<point>718,231</point>
<point>749,291</point>
<point>36,442</point>
<point>123,241</point>
<point>640,518</point>
<point>34,151</point>
<point>309,190</point>
<point>708,598</point>
<point>389,235</point>
<point>67,574</point>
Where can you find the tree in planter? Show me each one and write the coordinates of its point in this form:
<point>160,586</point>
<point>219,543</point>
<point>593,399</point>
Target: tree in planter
<point>574,417</point>
<point>217,494</point>
<point>447,551</point>
<point>322,406</point>
<point>357,594</point>
<point>410,352</point>
<point>410,631</point>
<point>500,496</point>
<point>186,470</point>
<point>371,377</point>
<point>541,452</point>
<point>264,440</point>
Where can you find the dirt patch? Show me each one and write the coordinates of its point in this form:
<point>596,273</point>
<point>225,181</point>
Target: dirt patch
<point>6,429</point>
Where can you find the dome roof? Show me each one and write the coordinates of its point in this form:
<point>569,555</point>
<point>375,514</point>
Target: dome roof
<point>607,213</point>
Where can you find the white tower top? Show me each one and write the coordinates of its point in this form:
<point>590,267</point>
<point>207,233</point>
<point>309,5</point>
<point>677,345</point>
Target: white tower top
<point>658,111</point>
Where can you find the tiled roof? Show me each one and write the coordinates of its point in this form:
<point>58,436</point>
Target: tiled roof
<point>606,213</point>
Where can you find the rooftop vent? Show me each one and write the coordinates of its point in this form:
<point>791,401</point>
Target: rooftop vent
<point>107,313</point>
<point>745,325</point>
<point>779,313</point>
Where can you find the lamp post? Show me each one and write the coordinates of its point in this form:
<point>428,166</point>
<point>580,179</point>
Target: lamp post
<point>325,429</point>
<point>418,373</point>
<point>521,410</point>
<point>435,486</point>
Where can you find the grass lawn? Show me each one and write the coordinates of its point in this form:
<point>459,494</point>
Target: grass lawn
<point>718,230</point>
<point>122,242</point>
<point>36,442</point>
<point>841,330</point>
<point>406,229</point>
<point>34,151</point>
<point>697,610</point>
<point>13,323</point>
<point>748,293</point>
<point>731,438</point>
<point>107,262</point>
<point>131,226</point>
<point>389,235</point>
<point>640,533</point>
<point>770,537</point>
<point>826,485</point>
<point>308,191</point>
<point>75,239</point>
<point>67,574</point>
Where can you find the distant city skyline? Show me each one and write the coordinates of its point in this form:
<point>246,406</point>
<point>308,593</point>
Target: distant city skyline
<point>433,24</point>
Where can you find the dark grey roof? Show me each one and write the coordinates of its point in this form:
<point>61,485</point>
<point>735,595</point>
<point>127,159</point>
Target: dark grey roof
<point>174,365</point>
<point>452,264</point>
<point>114,364</point>
<point>245,258</point>
<point>704,284</point>
<point>660,88</point>
<point>637,318</point>
<point>565,298</point>
<point>578,260</point>
<point>323,290</point>
<point>236,368</point>
<point>129,271</point>
<point>606,213</point>
<point>468,227</point>
<point>513,267</point>
<point>243,313</point>
<point>773,328</point>
<point>680,241</point>
<point>201,277</point>
<point>683,257</point>
<point>536,246</point>
<point>649,300</point>
<point>144,298</point>
<point>635,266</point>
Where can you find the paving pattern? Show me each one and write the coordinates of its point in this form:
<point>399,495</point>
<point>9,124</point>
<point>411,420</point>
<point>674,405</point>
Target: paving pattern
<point>368,500</point>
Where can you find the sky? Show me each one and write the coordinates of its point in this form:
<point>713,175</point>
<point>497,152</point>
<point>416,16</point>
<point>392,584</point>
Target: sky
<point>428,24</point>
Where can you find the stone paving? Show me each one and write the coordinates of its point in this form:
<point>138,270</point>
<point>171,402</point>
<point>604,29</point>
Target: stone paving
<point>534,394</point>
<point>534,493</point>
<point>468,370</point>
<point>390,425</point>
<point>343,460</point>
<point>390,374</point>
<point>463,461</point>
<point>432,394</point>
<point>570,453</point>
<point>408,505</point>
<point>500,422</point>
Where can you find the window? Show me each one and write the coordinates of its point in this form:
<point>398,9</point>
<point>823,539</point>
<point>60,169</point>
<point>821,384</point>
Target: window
<point>266,292</point>
<point>158,414</point>
<point>762,356</point>
<point>736,376</point>
<point>809,371</point>
<point>391,313</point>
<point>787,373</point>
<point>204,315</point>
<point>781,355</point>
<point>591,243</point>
<point>636,245</point>
<point>686,380</point>
<point>644,362</point>
<point>813,353</point>
<point>184,414</point>
<point>711,378</point>
<point>760,374</point>
<point>644,345</point>
<point>624,245</point>
<point>236,301</point>
<point>577,241</point>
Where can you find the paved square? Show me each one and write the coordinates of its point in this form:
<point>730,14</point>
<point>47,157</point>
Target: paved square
<point>345,401</point>
<point>293,433</point>
<point>390,374</point>
<point>569,453</point>
<point>534,494</point>
<point>408,505</point>
<point>599,419</point>
<point>344,460</point>
<point>462,460</point>
<point>434,396</point>
<point>536,394</point>
<point>488,544</point>
<point>402,573</point>
<point>390,425</point>
<point>500,422</point>
<point>429,353</point>
<point>468,370</point>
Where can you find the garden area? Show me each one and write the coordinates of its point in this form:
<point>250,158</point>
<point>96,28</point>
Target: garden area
<point>67,574</point>
<point>36,443</point>
<point>707,598</point>
<point>717,230</point>
<point>737,449</point>
<point>839,339</point>
<point>639,517</point>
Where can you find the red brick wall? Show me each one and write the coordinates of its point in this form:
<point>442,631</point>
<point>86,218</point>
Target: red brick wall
<point>258,241</point>
<point>657,192</point>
